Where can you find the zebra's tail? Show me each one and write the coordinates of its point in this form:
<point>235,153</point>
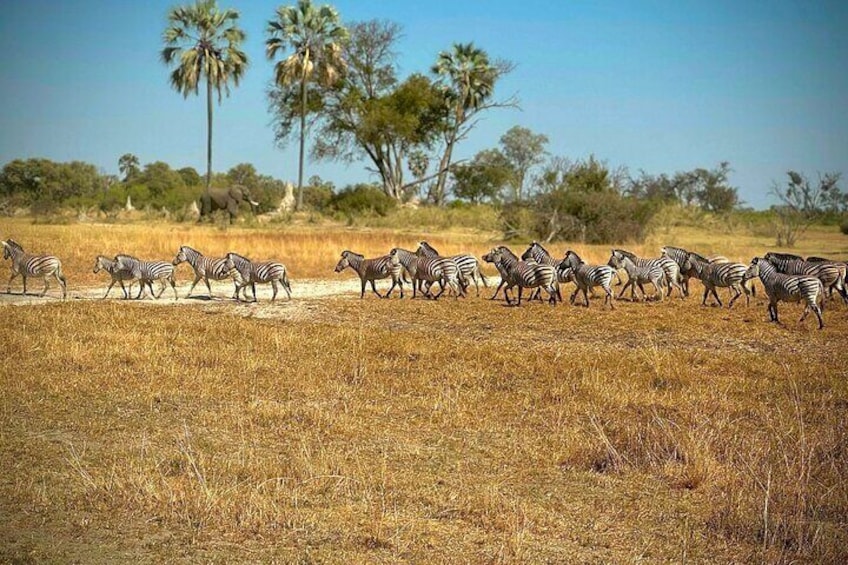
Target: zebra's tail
<point>286,283</point>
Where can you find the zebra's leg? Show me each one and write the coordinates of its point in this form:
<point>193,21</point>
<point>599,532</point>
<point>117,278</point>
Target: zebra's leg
<point>609,297</point>
<point>208,286</point>
<point>586,298</point>
<point>362,283</point>
<point>43,292</point>
<point>624,289</point>
<point>573,295</point>
<point>520,288</point>
<point>374,289</point>
<point>273,290</point>
<point>773,312</point>
<point>715,294</point>
<point>483,278</point>
<point>497,290</point>
<point>253,289</point>
<point>196,280</point>
<point>25,278</point>
<point>110,288</point>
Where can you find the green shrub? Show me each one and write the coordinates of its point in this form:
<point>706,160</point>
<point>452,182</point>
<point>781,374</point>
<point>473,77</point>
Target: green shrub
<point>844,226</point>
<point>362,199</point>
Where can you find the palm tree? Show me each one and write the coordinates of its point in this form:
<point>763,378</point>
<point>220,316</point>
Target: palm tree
<point>315,35</point>
<point>469,80</point>
<point>128,166</point>
<point>204,42</point>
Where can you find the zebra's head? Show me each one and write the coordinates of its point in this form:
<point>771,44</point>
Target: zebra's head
<point>616,259</point>
<point>181,256</point>
<point>753,270</point>
<point>98,263</point>
<point>425,250</point>
<point>343,263</point>
<point>7,251</point>
<point>493,256</point>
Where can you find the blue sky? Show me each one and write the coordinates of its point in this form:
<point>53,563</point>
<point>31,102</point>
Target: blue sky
<point>652,86</point>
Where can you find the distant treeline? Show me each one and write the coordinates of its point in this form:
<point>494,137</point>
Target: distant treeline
<point>582,200</point>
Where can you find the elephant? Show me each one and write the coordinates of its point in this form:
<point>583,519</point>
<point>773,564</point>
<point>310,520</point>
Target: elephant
<point>229,199</point>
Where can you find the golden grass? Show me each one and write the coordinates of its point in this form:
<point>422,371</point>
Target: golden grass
<point>384,431</point>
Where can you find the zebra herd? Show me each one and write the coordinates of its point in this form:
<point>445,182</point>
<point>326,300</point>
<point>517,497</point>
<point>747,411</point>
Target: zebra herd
<point>784,277</point>
<point>123,268</point>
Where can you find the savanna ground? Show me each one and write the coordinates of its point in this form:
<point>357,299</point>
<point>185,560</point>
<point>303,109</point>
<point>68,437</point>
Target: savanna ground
<point>333,429</point>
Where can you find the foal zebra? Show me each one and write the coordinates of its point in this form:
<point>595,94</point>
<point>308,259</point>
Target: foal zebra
<point>789,288</point>
<point>832,275</point>
<point>648,271</point>
<point>724,275</point>
<point>469,267</point>
<point>573,268</point>
<point>668,265</point>
<point>27,265</point>
<point>430,270</point>
<point>147,272</point>
<point>370,270</point>
<point>247,273</point>
<point>524,274</point>
<point>103,263</point>
<point>204,267</point>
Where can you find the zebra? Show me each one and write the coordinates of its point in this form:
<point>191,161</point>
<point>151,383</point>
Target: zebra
<point>507,252</point>
<point>680,256</point>
<point>712,275</point>
<point>370,270</point>
<point>247,273</point>
<point>668,265</point>
<point>103,263</point>
<point>430,270</point>
<point>469,267</point>
<point>524,274</point>
<point>27,265</point>
<point>648,271</point>
<point>789,288</point>
<point>147,272</point>
<point>204,267</point>
<point>832,275</point>
<point>573,268</point>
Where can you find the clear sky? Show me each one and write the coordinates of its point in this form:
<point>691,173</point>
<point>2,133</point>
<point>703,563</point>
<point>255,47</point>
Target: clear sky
<point>654,86</point>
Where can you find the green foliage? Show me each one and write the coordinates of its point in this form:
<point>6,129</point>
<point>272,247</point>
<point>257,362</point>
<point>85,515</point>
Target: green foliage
<point>318,194</point>
<point>843,227</point>
<point>580,201</point>
<point>46,183</point>
<point>484,178</point>
<point>362,199</point>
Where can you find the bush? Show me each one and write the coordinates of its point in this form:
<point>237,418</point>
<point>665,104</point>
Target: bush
<point>362,199</point>
<point>318,198</point>
<point>844,226</point>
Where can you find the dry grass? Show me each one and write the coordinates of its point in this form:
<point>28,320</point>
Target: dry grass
<point>385,431</point>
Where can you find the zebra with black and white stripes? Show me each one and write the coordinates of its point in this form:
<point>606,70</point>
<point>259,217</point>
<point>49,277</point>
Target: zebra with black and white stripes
<point>721,275</point>
<point>469,267</point>
<point>103,263</point>
<point>430,270</point>
<point>26,265</point>
<point>524,274</point>
<point>573,268</point>
<point>638,274</point>
<point>788,288</point>
<point>506,251</point>
<point>247,273</point>
<point>832,275</point>
<point>147,272</point>
<point>670,269</point>
<point>204,267</point>
<point>370,270</point>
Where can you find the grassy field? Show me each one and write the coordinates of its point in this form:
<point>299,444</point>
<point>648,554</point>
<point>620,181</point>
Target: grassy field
<point>385,430</point>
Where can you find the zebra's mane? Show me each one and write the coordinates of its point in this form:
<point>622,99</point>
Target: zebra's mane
<point>189,248</point>
<point>784,256</point>
<point>630,255</point>
<point>349,252</point>
<point>237,256</point>
<point>507,251</point>
<point>569,253</point>
<point>814,259</point>
<point>126,256</point>
<point>678,249</point>
<point>426,245</point>
<point>14,244</point>
<point>699,257</point>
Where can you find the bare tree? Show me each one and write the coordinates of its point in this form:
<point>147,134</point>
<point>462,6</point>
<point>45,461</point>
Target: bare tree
<point>803,202</point>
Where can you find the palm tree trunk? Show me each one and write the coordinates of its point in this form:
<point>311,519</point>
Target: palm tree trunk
<point>208,134</point>
<point>302,142</point>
